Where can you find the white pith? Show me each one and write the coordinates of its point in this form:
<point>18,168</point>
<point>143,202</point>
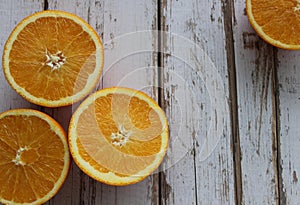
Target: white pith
<point>18,160</point>
<point>55,61</point>
<point>121,137</point>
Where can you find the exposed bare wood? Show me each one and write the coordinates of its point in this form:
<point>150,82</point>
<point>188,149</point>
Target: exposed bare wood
<point>288,73</point>
<point>116,25</point>
<point>11,13</point>
<point>254,61</point>
<point>201,164</point>
<point>228,9</point>
<point>232,101</point>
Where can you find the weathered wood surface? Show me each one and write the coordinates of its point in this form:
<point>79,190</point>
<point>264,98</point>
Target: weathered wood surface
<point>232,101</point>
<point>11,12</point>
<point>112,20</point>
<point>288,129</point>
<point>255,74</point>
<point>195,81</point>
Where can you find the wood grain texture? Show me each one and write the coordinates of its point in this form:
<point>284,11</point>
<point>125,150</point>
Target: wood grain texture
<point>215,74</point>
<point>254,61</point>
<point>77,185</point>
<point>198,170</point>
<point>125,65</point>
<point>11,13</point>
<point>288,124</point>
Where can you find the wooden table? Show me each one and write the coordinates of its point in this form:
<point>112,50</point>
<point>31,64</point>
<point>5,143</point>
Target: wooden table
<point>232,100</point>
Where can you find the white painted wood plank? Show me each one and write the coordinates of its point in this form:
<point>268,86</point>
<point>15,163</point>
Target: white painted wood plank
<point>289,130</point>
<point>254,74</point>
<point>77,187</point>
<point>125,65</point>
<point>11,13</point>
<point>200,155</point>
<point>129,61</point>
<point>130,43</point>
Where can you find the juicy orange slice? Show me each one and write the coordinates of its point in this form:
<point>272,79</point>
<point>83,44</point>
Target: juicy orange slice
<point>53,58</point>
<point>276,21</point>
<point>34,157</point>
<point>118,136</point>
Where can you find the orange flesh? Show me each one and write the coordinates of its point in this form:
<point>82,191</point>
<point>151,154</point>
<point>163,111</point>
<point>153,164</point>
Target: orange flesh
<point>280,20</point>
<point>103,118</point>
<point>29,176</point>
<point>28,57</point>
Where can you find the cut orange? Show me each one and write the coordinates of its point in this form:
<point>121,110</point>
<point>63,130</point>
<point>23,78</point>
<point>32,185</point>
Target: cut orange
<point>34,157</point>
<point>53,58</point>
<point>118,136</point>
<point>276,21</point>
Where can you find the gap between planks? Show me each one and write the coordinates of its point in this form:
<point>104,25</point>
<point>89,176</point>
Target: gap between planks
<point>281,199</point>
<point>228,11</point>
<point>160,64</point>
<point>46,5</point>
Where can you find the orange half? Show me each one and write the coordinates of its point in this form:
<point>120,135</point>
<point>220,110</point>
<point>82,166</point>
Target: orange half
<point>53,58</point>
<point>276,21</point>
<point>34,157</point>
<point>118,136</point>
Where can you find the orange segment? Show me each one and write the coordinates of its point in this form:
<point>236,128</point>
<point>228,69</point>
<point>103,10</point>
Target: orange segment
<point>276,21</point>
<point>118,136</point>
<point>34,157</point>
<point>53,58</point>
